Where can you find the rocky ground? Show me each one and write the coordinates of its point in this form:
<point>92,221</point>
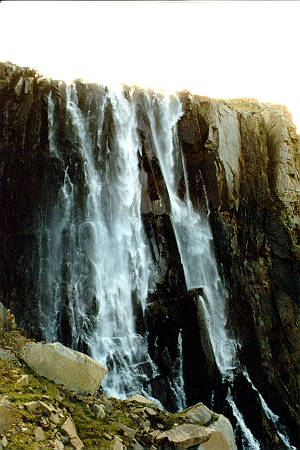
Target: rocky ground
<point>36,413</point>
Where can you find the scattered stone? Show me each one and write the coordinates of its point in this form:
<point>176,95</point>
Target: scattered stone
<point>197,414</point>
<point>108,436</point>
<point>23,380</point>
<point>150,437</point>
<point>6,415</point>
<point>140,399</point>
<point>39,434</point>
<point>45,408</point>
<point>7,355</point>
<point>74,370</point>
<point>106,402</point>
<point>129,432</point>
<point>150,411</point>
<point>62,438</point>
<point>98,410</point>
<point>37,406</point>
<point>54,417</point>
<point>160,426</point>
<point>146,425</point>
<point>184,436</point>
<point>4,441</point>
<point>77,443</point>
<point>69,428</point>
<point>58,445</point>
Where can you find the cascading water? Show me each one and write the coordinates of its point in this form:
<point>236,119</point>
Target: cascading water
<point>191,229</point>
<point>194,240</point>
<point>94,258</point>
<point>95,265</point>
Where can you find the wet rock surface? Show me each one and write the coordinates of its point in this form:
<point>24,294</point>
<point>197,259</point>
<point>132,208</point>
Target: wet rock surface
<point>243,159</point>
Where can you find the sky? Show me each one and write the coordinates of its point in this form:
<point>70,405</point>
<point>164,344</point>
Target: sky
<point>222,49</point>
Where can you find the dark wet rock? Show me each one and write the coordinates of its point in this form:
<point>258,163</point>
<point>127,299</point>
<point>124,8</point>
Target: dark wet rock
<point>242,161</point>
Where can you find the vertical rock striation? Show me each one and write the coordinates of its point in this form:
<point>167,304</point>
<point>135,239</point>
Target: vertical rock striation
<point>242,160</point>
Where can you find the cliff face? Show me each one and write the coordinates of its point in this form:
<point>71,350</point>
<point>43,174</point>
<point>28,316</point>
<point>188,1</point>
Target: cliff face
<point>242,162</point>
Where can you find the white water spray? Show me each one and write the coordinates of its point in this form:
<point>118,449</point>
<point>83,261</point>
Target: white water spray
<point>191,229</point>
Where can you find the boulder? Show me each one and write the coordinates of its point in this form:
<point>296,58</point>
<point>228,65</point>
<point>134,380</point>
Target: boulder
<point>223,426</point>
<point>39,434</point>
<point>184,436</point>
<point>6,415</point>
<point>197,414</point>
<point>216,441</point>
<point>74,370</point>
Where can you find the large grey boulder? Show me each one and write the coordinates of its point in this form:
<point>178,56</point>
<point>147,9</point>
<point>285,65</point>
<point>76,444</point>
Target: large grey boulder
<point>74,370</point>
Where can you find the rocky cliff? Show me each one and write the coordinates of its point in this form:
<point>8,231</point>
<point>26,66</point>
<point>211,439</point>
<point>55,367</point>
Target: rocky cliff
<point>242,161</point>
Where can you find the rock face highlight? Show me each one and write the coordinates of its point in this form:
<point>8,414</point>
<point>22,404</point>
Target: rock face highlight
<point>242,161</point>
<point>76,371</point>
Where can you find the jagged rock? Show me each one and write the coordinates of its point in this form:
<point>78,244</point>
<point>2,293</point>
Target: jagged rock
<point>98,410</point>
<point>127,431</point>
<point>184,436</point>
<point>248,158</point>
<point>140,399</point>
<point>69,428</point>
<point>7,355</point>
<point>38,407</point>
<point>150,437</point>
<point>106,402</point>
<point>197,414</point>
<point>76,371</point>
<point>32,406</point>
<point>223,425</point>
<point>216,441</point>
<point>150,411</point>
<point>6,415</point>
<point>39,434</point>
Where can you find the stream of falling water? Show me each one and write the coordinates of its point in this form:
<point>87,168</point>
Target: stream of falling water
<point>191,229</point>
<point>195,244</point>
<point>97,252</point>
<point>94,254</point>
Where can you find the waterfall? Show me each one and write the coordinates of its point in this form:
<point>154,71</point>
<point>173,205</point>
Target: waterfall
<point>94,260</point>
<point>95,269</point>
<point>191,229</point>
